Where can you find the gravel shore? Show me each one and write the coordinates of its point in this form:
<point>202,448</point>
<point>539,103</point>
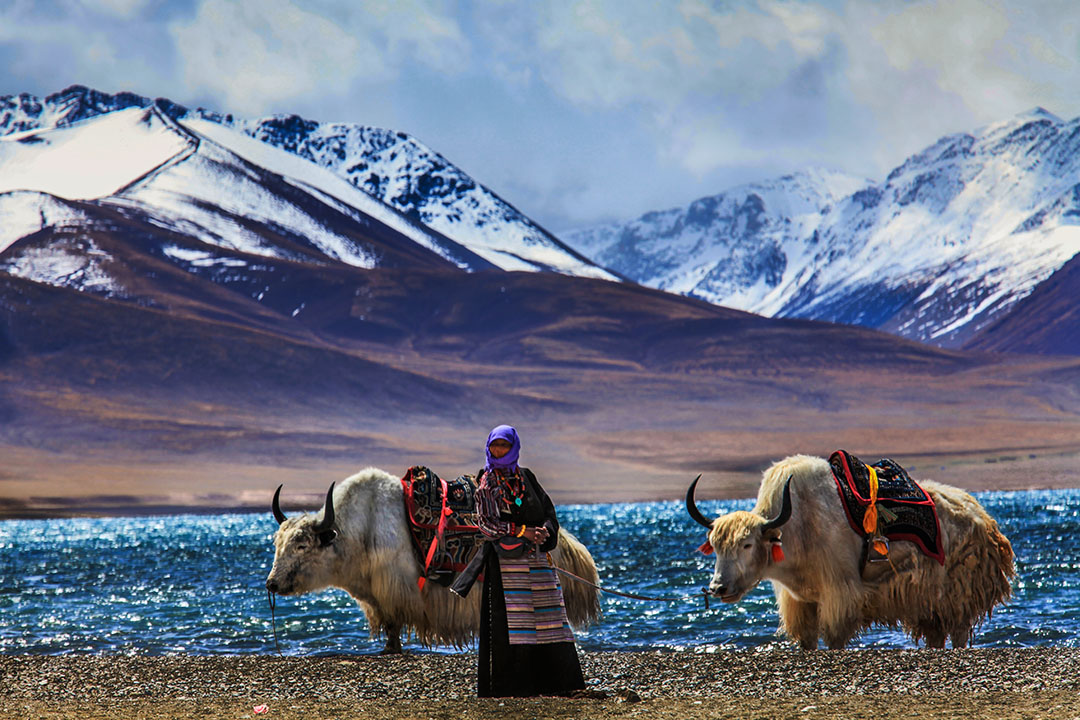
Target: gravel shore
<point>1039,682</point>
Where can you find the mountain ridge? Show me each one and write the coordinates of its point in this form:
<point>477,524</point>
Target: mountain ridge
<point>212,315</point>
<point>401,172</point>
<point>935,252</point>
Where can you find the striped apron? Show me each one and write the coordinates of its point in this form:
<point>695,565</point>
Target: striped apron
<point>535,612</point>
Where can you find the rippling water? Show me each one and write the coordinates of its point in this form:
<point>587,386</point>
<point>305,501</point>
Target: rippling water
<point>194,584</point>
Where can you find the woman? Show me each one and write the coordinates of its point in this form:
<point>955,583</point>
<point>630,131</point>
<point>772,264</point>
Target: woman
<point>526,646</point>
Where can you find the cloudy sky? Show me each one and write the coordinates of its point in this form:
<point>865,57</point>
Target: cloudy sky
<point>580,112</point>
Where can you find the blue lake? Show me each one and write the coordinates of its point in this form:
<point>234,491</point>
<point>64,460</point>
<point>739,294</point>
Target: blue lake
<point>194,584</point>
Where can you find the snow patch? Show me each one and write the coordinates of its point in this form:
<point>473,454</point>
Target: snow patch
<point>312,177</point>
<point>77,264</point>
<point>89,159</point>
<point>401,172</point>
<point>201,258</point>
<point>23,213</point>
<point>213,193</point>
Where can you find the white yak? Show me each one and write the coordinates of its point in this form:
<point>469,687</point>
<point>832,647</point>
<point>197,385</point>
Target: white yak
<point>360,542</point>
<point>820,588</point>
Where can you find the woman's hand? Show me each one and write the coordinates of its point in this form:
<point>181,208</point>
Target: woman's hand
<point>536,535</point>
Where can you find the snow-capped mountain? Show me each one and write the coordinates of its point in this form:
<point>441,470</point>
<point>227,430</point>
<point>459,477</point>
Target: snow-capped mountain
<point>948,243</point>
<point>191,299</point>
<point>227,198</point>
<point>731,249</point>
<point>954,237</point>
<point>407,175</point>
<point>385,175</point>
<point>945,246</point>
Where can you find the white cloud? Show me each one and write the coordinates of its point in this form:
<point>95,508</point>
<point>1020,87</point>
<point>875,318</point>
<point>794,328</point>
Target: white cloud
<point>119,8</point>
<point>952,48</point>
<point>48,47</point>
<point>256,54</point>
<point>923,70</point>
<point>722,83</point>
<point>611,53</point>
<point>424,30</point>
<point>1000,58</point>
<point>690,91</point>
<point>695,72</point>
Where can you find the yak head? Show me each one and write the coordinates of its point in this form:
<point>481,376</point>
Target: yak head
<point>304,550</point>
<point>745,543</point>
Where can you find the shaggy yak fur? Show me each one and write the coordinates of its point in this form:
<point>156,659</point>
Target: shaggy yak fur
<point>369,554</point>
<point>819,588</point>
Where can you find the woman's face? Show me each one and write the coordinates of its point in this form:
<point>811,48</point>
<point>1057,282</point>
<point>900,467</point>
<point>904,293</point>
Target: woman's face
<point>499,447</point>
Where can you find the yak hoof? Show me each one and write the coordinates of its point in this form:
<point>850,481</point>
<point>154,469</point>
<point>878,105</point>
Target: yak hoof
<point>393,644</point>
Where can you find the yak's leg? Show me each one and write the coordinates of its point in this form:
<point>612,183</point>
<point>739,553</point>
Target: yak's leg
<point>935,640</point>
<point>393,640</point>
<point>933,632</point>
<point>839,618</point>
<point>837,638</point>
<point>798,619</point>
<point>960,634</point>
<point>960,638</point>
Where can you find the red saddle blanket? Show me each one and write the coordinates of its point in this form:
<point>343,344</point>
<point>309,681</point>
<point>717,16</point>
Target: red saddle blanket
<point>442,520</point>
<point>909,511</point>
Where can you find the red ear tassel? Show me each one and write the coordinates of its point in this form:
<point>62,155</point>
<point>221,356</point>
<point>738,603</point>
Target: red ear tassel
<point>705,548</point>
<point>777,552</point>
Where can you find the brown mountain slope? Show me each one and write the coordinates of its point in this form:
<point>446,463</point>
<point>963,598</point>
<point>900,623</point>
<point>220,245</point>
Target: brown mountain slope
<point>1046,322</point>
<point>204,389</point>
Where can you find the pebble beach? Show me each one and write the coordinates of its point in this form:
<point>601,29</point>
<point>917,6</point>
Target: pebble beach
<point>773,683</point>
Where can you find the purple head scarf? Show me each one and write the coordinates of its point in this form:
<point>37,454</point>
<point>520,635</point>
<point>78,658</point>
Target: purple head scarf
<point>509,461</point>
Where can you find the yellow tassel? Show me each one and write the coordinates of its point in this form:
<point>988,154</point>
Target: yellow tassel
<point>870,519</point>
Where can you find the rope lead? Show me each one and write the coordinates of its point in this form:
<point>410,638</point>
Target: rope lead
<point>632,596</point>
<point>273,620</point>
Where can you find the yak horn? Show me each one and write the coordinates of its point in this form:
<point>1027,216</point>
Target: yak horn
<point>691,506</point>
<point>328,512</point>
<point>785,508</point>
<point>276,506</point>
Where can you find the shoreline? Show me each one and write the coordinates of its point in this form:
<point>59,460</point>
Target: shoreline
<point>41,486</point>
<point>972,682</point>
<point>23,510</point>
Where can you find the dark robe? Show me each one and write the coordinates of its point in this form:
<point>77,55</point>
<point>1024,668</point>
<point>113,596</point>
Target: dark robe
<point>539,666</point>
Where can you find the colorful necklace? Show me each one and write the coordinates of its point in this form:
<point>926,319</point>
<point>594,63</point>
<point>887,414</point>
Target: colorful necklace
<point>515,486</point>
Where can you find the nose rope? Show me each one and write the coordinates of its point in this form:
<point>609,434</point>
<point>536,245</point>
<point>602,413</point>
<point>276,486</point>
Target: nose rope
<point>273,620</point>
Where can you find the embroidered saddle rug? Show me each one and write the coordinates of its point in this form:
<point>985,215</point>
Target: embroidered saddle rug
<point>442,521</point>
<point>907,512</point>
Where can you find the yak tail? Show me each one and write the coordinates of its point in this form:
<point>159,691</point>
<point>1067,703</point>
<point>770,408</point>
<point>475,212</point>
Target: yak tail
<point>1006,559</point>
<point>582,601</point>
